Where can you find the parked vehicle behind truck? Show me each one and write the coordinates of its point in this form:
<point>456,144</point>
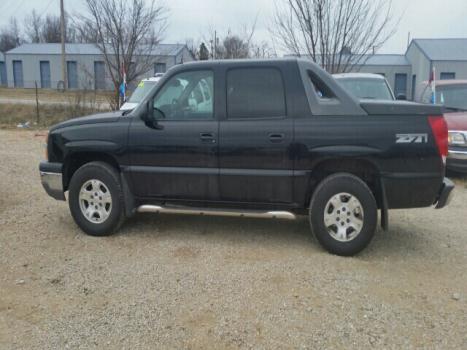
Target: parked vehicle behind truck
<point>276,139</point>
<point>453,95</point>
<point>366,86</point>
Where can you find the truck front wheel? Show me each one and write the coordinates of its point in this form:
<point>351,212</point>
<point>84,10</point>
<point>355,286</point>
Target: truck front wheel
<point>96,199</point>
<point>343,214</point>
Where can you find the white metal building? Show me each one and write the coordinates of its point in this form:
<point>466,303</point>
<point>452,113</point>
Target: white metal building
<point>29,64</point>
<point>406,72</point>
<point>447,56</point>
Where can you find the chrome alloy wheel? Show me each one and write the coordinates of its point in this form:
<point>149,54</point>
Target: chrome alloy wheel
<point>343,217</point>
<point>95,201</point>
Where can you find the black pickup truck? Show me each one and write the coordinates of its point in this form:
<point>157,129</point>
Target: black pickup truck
<point>270,138</point>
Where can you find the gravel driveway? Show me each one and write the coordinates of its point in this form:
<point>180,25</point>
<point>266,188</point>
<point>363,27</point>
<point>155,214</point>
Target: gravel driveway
<point>186,282</point>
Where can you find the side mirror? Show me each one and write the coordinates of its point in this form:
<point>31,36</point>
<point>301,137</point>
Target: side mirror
<point>401,97</point>
<point>152,115</point>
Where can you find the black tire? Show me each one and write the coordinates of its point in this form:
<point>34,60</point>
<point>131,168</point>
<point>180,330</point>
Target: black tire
<point>109,177</point>
<point>327,189</point>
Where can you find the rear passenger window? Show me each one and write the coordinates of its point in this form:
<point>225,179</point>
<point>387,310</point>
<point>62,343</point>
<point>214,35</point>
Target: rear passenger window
<point>255,93</point>
<point>321,89</point>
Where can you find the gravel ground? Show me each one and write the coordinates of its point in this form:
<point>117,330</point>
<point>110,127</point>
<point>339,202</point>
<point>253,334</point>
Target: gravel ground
<point>173,282</point>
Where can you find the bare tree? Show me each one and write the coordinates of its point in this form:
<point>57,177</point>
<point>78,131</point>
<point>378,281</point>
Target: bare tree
<point>10,36</point>
<point>47,30</point>
<point>203,52</point>
<point>238,44</point>
<point>337,34</point>
<point>197,49</point>
<point>33,27</point>
<point>51,30</point>
<point>126,32</point>
<point>262,50</point>
<point>233,47</point>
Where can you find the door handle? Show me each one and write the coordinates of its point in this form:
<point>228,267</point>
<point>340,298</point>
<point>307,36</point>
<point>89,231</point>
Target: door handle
<point>276,138</point>
<point>207,137</point>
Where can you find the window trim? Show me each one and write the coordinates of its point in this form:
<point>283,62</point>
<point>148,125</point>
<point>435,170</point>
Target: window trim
<point>227,117</point>
<point>214,116</point>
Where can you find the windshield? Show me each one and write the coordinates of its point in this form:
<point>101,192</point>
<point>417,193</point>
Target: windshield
<point>361,88</point>
<point>140,92</point>
<point>454,96</point>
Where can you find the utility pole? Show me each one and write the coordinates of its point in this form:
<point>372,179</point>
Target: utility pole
<point>62,30</point>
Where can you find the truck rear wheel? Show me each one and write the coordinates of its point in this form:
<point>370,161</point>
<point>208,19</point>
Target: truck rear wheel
<point>343,214</point>
<point>96,199</point>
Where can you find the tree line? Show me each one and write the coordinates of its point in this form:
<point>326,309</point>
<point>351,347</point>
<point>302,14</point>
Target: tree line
<point>337,34</point>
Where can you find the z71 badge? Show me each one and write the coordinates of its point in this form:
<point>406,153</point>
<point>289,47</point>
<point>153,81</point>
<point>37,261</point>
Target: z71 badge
<point>411,138</point>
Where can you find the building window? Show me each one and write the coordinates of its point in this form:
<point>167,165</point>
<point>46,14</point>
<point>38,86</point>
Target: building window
<point>160,68</point>
<point>447,75</point>
<point>18,74</point>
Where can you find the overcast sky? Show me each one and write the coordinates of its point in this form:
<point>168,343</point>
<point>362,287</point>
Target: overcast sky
<point>192,19</point>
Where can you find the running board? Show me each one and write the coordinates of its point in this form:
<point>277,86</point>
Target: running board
<point>217,212</point>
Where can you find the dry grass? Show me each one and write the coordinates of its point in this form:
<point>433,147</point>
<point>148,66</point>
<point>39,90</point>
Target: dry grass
<point>51,95</point>
<point>18,106</point>
<point>13,114</point>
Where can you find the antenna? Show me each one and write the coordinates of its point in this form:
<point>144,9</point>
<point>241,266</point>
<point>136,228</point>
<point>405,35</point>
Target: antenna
<point>62,30</point>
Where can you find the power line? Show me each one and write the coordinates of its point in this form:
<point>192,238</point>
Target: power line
<point>46,8</point>
<point>8,4</point>
<point>18,7</point>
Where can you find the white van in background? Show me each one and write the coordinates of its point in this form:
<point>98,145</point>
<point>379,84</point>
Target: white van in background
<point>141,90</point>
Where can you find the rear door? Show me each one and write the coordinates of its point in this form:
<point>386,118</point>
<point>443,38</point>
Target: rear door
<point>256,165</point>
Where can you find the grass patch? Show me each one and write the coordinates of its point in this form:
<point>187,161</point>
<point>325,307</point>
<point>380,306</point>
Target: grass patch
<point>53,95</point>
<point>13,114</point>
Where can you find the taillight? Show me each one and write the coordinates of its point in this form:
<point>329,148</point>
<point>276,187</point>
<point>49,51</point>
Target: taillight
<point>440,133</point>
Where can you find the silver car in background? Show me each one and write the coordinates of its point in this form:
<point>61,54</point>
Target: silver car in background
<point>366,86</point>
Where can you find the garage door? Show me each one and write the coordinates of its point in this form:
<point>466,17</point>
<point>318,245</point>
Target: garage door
<point>45,74</point>
<point>18,74</point>
<point>2,74</point>
<point>99,75</point>
<point>72,74</point>
<point>400,85</point>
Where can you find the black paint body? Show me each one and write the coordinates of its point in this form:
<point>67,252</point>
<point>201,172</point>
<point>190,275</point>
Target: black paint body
<point>266,163</point>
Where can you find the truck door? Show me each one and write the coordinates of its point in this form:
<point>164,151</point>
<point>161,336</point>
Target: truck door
<point>178,159</point>
<point>256,135</point>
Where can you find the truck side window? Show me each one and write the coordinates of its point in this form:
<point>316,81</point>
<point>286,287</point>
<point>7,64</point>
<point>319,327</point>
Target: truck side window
<point>255,93</point>
<point>320,88</point>
<point>187,95</point>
